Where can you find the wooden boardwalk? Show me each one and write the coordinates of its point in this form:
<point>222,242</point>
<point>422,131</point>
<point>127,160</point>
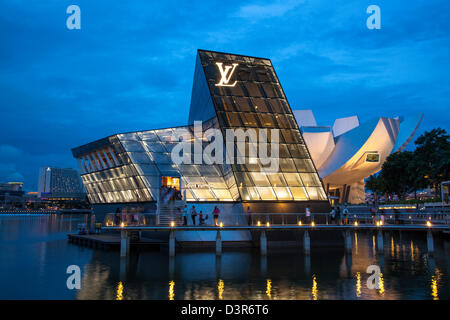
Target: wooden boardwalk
<point>111,240</point>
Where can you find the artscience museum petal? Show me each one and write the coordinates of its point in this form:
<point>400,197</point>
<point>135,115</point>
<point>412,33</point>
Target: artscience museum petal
<point>350,151</point>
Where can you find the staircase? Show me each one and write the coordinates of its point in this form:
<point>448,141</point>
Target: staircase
<point>168,213</point>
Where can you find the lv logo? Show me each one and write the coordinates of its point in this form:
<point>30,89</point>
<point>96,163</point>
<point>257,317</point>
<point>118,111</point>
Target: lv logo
<point>226,74</point>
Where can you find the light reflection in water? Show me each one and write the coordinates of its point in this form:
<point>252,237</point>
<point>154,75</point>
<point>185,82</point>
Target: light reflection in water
<point>220,289</point>
<point>434,288</point>
<point>269,288</point>
<point>381,284</point>
<point>373,245</point>
<point>392,247</point>
<point>171,290</point>
<point>356,243</point>
<point>358,284</point>
<point>314,288</point>
<point>119,295</point>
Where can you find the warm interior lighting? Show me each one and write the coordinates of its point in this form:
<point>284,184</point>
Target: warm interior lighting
<point>428,224</point>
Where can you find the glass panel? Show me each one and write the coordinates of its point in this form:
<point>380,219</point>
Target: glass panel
<point>133,146</point>
<point>260,179</point>
<point>310,180</point>
<point>282,193</point>
<point>223,194</point>
<point>216,182</point>
<point>203,194</point>
<point>266,193</point>
<point>276,179</point>
<point>298,193</point>
<point>293,179</point>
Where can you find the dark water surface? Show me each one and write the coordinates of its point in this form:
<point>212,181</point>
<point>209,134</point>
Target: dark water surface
<point>34,256</point>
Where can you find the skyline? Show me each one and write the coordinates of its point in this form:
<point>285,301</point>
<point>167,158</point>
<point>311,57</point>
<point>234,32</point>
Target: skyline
<point>63,88</point>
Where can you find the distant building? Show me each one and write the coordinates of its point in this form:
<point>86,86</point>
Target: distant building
<point>60,184</point>
<point>11,195</point>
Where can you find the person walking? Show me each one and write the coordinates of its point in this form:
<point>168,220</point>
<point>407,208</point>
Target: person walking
<point>308,214</point>
<point>193,214</point>
<point>216,213</point>
<point>184,215</point>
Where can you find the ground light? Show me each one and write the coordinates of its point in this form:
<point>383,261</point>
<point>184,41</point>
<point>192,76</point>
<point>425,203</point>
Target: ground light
<point>172,224</point>
<point>356,223</point>
<point>299,223</point>
<point>313,224</point>
<point>428,224</point>
<point>258,223</point>
<point>221,224</point>
<point>267,224</point>
<point>122,225</point>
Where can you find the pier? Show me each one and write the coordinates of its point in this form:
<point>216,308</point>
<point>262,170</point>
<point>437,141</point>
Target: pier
<point>428,231</point>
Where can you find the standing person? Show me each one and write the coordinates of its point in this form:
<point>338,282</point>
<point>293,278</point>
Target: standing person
<point>249,216</point>
<point>308,215</point>
<point>338,214</point>
<point>345,214</point>
<point>200,218</point>
<point>333,215</point>
<point>193,214</point>
<point>216,212</point>
<point>184,215</point>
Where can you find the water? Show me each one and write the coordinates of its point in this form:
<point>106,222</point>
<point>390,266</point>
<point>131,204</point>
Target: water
<point>34,255</point>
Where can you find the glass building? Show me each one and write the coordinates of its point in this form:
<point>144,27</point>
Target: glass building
<point>230,92</point>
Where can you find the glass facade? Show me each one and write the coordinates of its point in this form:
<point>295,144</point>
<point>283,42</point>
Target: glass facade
<point>257,101</point>
<point>129,167</point>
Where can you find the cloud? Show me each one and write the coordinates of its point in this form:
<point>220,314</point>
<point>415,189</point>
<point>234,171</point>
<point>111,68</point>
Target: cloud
<point>264,11</point>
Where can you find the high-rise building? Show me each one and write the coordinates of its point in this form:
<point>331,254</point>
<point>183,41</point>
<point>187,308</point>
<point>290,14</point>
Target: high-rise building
<point>60,184</point>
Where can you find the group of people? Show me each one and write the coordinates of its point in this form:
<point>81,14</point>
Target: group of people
<point>339,216</point>
<point>170,194</point>
<point>201,217</point>
<point>126,218</point>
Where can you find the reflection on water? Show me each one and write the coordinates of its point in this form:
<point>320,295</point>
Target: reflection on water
<point>269,288</point>
<point>314,288</point>
<point>171,290</point>
<point>34,255</point>
<point>119,291</point>
<point>358,284</point>
<point>220,287</point>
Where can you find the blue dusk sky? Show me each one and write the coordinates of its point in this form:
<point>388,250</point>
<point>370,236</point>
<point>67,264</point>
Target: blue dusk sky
<point>131,65</point>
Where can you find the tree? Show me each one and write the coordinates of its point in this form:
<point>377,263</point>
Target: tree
<point>396,174</point>
<point>375,184</point>
<point>432,156</point>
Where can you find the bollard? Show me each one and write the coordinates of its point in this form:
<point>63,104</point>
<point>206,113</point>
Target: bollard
<point>306,242</point>
<point>263,243</point>
<point>430,242</point>
<point>218,243</point>
<point>380,242</point>
<point>124,243</point>
<point>348,242</point>
<point>172,244</point>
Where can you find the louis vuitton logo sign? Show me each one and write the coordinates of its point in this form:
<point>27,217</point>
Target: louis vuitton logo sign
<point>226,74</point>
